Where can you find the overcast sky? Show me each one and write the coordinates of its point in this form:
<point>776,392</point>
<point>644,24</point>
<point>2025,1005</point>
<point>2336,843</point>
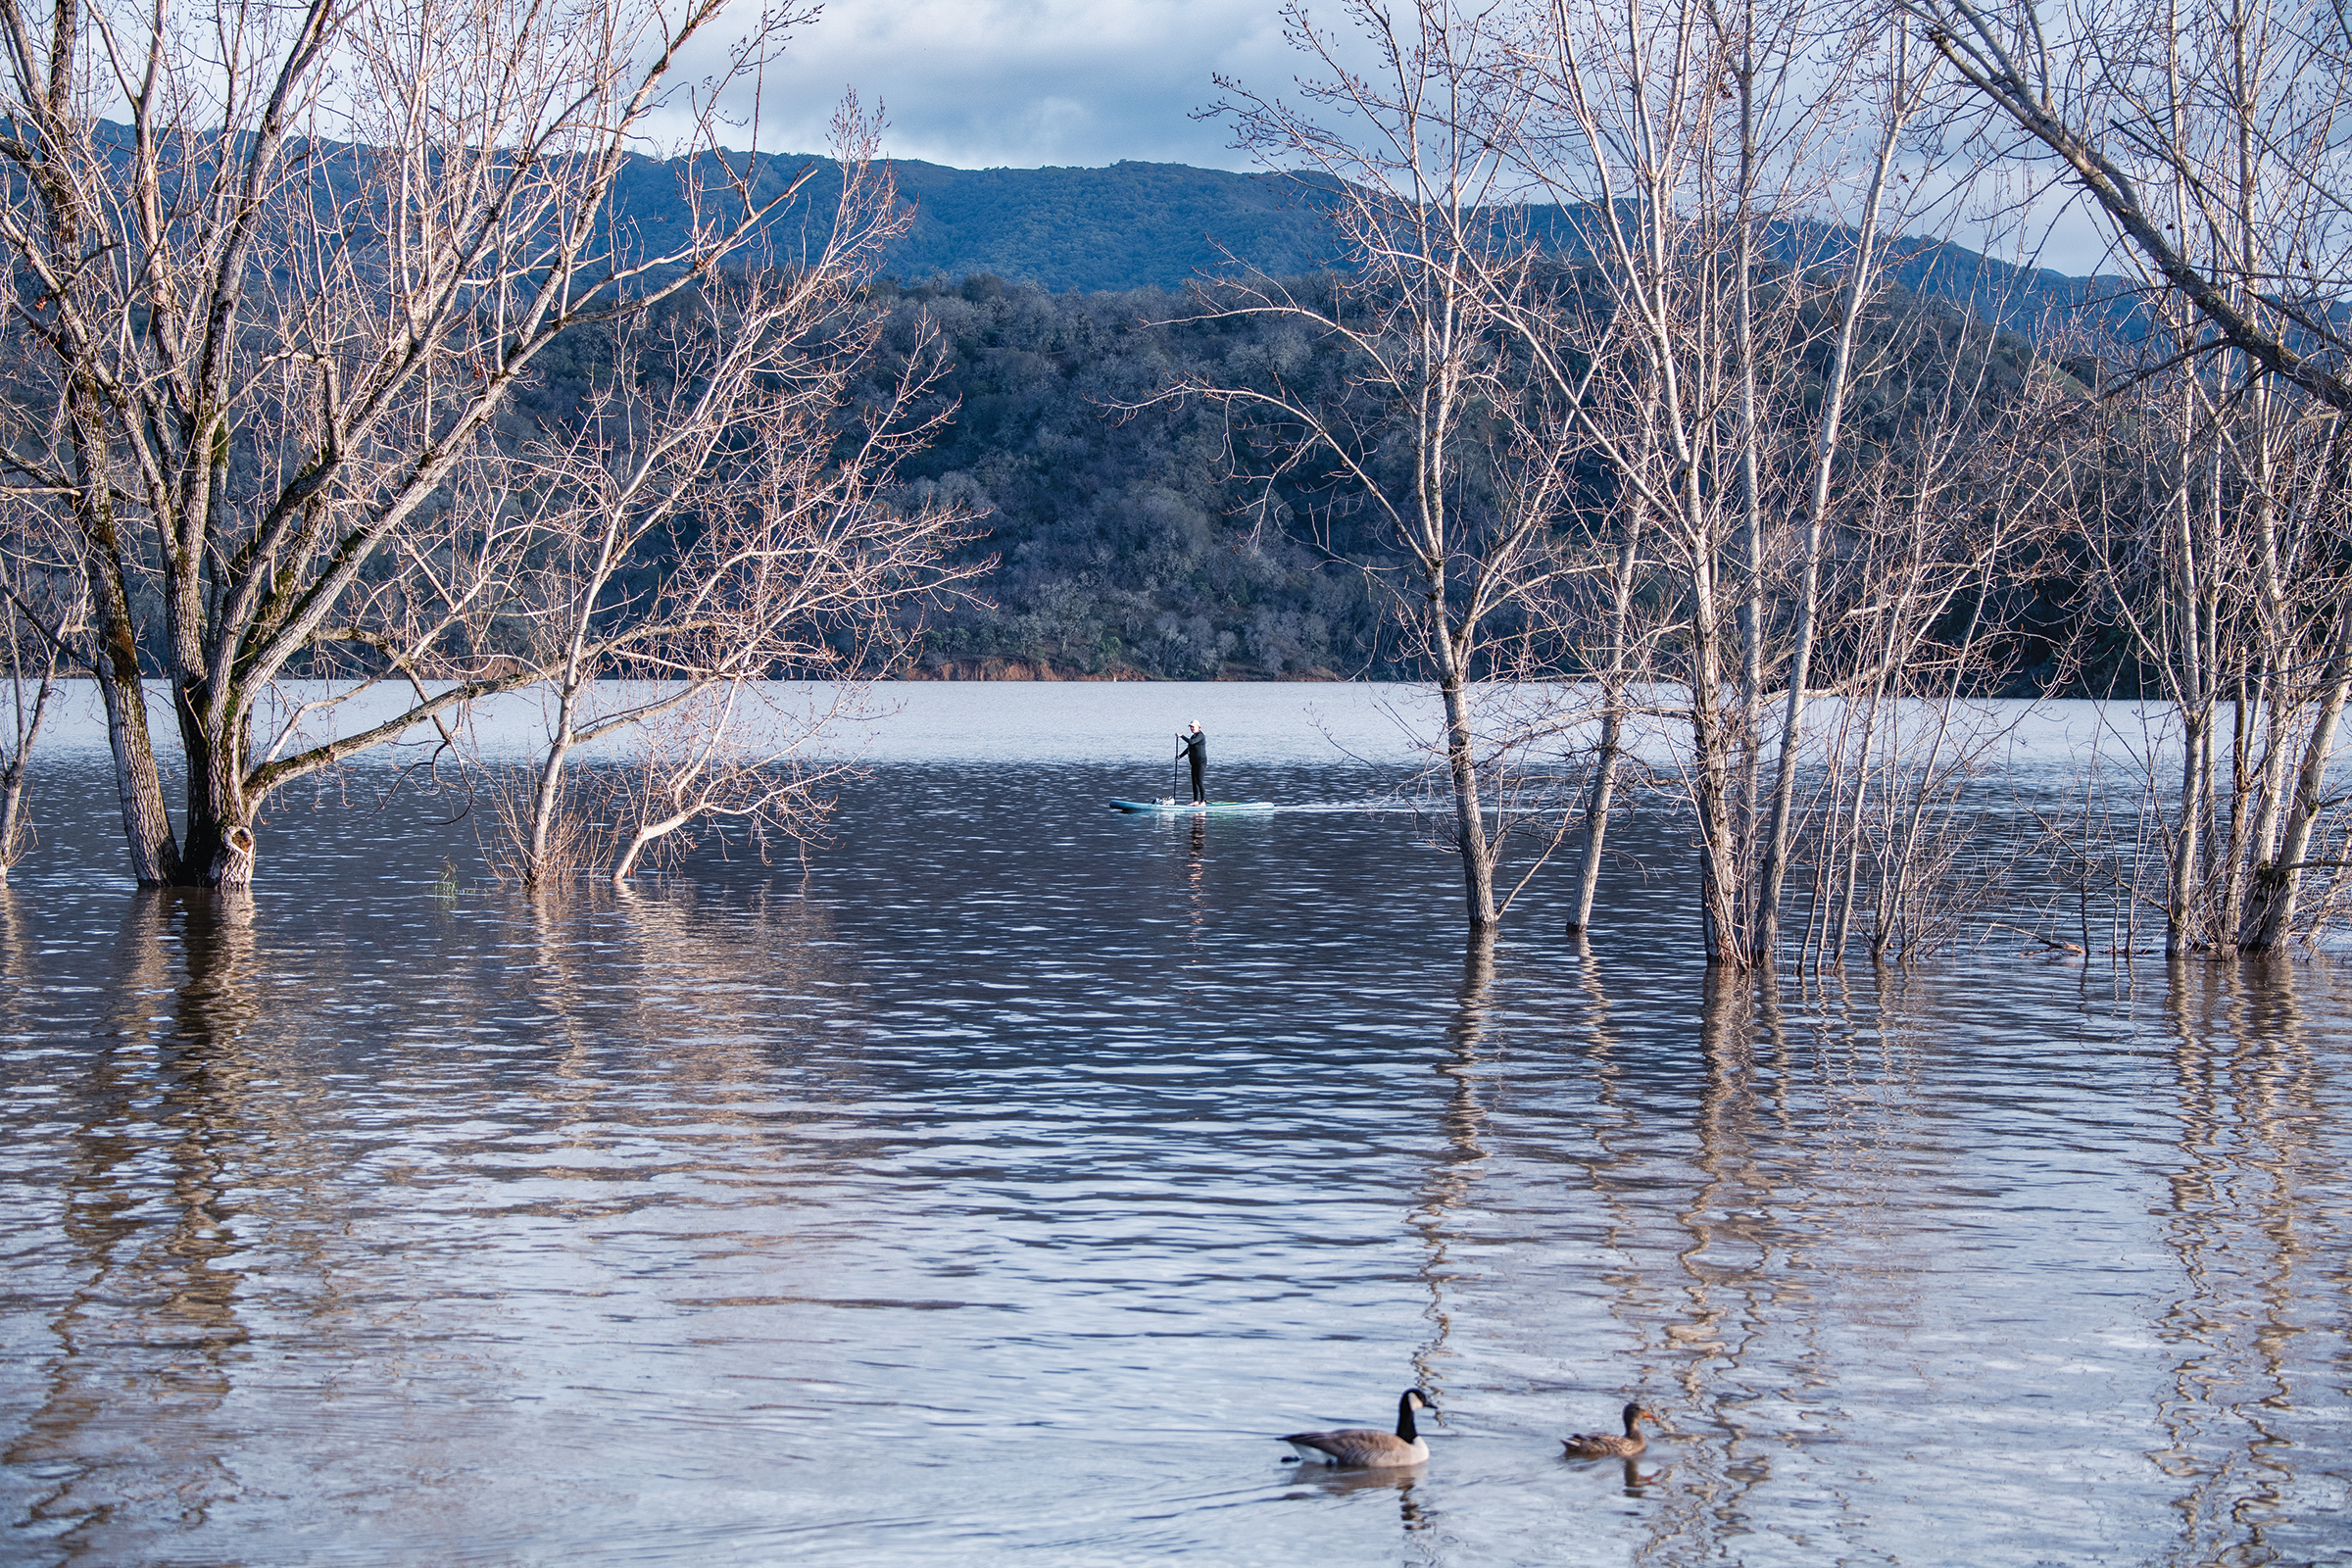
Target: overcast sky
<point>1023,83</point>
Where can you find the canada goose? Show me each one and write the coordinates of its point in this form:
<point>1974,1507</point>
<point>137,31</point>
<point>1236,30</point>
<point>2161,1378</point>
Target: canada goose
<point>1361,1446</point>
<point>1600,1446</point>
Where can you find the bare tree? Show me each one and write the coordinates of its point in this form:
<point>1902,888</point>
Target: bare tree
<point>278,310</point>
<point>1675,134</point>
<point>41,623</point>
<point>1898,89</point>
<point>2211,133</point>
<point>2213,527</point>
<point>730,460</point>
<point>1959,490</point>
<point>1736,172</point>
<point>1674,379</point>
<point>1443,435</point>
<point>1626,657</point>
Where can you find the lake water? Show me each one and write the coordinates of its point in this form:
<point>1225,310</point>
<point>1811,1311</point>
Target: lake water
<point>995,1183</point>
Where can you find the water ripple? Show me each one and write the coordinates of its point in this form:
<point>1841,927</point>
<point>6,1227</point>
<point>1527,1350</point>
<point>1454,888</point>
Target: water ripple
<point>1000,1180</point>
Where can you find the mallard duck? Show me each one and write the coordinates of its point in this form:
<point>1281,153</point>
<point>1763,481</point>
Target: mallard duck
<point>1601,1446</point>
<point>1361,1446</point>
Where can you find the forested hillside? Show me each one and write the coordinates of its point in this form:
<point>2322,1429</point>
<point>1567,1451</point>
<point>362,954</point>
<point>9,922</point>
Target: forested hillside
<point>1128,541</point>
<point>1144,542</point>
<point>1137,225</point>
<point>1139,541</point>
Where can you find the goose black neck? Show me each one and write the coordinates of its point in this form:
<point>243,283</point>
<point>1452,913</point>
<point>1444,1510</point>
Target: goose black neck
<point>1404,1418</point>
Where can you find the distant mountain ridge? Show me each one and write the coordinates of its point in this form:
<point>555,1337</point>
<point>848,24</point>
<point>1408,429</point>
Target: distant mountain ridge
<point>1134,226</point>
<point>1130,225</point>
<point>1141,225</point>
<point>1089,230</point>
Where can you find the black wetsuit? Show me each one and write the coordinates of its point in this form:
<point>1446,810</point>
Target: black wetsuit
<point>1194,749</point>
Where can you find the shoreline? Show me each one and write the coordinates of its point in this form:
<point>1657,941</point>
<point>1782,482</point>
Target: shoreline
<point>1022,669</point>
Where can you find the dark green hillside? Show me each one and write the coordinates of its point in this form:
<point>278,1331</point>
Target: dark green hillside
<point>1131,225</point>
<point>1134,544</point>
<point>1160,225</point>
<point>1137,541</point>
<point>1126,545</point>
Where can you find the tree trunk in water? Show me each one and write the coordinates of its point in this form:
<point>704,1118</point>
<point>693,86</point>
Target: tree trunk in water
<point>1596,815</point>
<point>2185,851</point>
<point>2270,905</point>
<point>547,799</point>
<point>1612,726</point>
<point>155,858</point>
<point>1469,815</point>
<point>1853,839</point>
<point>11,778</point>
<point>219,852</point>
<point>647,835</point>
<point>12,813</point>
<point>1719,866</point>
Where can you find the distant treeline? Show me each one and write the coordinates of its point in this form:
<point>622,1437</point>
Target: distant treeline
<point>1138,226</point>
<point>1148,541</point>
<point>1129,540</point>
<point>1135,539</point>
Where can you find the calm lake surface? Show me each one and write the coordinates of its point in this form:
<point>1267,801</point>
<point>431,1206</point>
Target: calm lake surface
<point>995,1183</point>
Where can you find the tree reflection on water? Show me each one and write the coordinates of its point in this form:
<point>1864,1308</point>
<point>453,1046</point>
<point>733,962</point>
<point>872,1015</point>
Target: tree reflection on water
<point>1001,1182</point>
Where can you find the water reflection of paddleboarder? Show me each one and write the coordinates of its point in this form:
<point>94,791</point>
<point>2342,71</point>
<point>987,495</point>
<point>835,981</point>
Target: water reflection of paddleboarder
<point>1194,748</point>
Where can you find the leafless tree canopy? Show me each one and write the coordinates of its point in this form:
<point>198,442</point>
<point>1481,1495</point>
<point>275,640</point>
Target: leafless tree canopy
<point>1779,525</point>
<point>1628,262</point>
<point>274,275</point>
<point>720,515</point>
<point>1676,495</point>
<point>2210,137</point>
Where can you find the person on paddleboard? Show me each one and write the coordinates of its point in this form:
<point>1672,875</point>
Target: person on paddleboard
<point>1194,748</point>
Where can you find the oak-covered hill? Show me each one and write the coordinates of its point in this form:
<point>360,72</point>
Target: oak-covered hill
<point>1137,225</point>
<point>1138,543</point>
<point>1142,541</point>
<point>1134,537</point>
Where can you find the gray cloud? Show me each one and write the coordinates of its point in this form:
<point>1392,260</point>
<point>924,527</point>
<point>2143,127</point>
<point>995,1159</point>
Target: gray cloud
<point>1021,83</point>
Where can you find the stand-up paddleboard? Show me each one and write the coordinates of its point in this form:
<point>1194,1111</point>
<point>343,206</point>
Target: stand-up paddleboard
<point>1186,809</point>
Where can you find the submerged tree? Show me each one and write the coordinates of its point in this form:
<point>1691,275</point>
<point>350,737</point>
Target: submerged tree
<point>1619,296</point>
<point>1444,438</point>
<point>1704,149</point>
<point>42,603</point>
<point>2213,523</point>
<point>275,315</point>
<point>2210,137</point>
<point>722,514</point>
